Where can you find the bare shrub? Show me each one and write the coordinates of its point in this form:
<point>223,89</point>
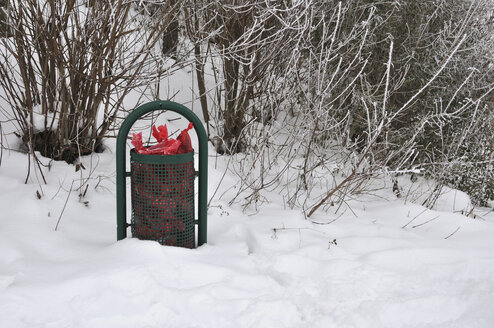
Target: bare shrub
<point>247,44</point>
<point>69,66</point>
<point>363,89</point>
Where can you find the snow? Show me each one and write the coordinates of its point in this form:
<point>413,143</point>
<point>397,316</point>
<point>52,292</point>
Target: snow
<point>379,261</point>
<point>377,265</point>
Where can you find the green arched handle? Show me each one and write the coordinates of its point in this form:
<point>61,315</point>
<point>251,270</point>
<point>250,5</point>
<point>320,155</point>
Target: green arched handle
<point>121,164</point>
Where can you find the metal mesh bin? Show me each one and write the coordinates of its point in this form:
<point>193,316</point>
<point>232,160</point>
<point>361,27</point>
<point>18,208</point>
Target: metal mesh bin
<point>162,192</point>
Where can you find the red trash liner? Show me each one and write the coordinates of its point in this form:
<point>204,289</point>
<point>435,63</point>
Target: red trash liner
<point>165,146</point>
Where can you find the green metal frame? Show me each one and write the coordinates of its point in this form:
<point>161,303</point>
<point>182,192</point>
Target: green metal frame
<point>122,172</point>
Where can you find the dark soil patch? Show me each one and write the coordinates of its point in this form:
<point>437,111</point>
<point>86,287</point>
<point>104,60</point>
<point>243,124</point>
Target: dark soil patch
<point>48,145</point>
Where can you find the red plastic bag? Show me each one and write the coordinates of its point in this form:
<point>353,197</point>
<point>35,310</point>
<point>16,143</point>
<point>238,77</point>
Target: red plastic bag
<point>185,142</point>
<point>165,146</point>
<point>137,143</point>
<point>160,135</point>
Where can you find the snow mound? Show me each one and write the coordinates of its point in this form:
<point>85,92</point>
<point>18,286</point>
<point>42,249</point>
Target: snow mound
<point>384,263</point>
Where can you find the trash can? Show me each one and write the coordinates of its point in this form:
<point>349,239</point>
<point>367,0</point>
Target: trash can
<point>162,193</point>
<point>162,187</point>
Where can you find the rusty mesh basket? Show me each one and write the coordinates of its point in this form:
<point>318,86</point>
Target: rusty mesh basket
<point>162,189</point>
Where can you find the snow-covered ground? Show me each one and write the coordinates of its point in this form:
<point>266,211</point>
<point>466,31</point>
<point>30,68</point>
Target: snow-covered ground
<point>272,269</point>
<point>379,262</point>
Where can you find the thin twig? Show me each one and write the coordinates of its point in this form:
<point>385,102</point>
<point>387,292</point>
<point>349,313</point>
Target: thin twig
<point>452,233</point>
<point>425,209</point>
<point>326,223</point>
<point>421,224</point>
<point>335,189</point>
<point>63,209</point>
